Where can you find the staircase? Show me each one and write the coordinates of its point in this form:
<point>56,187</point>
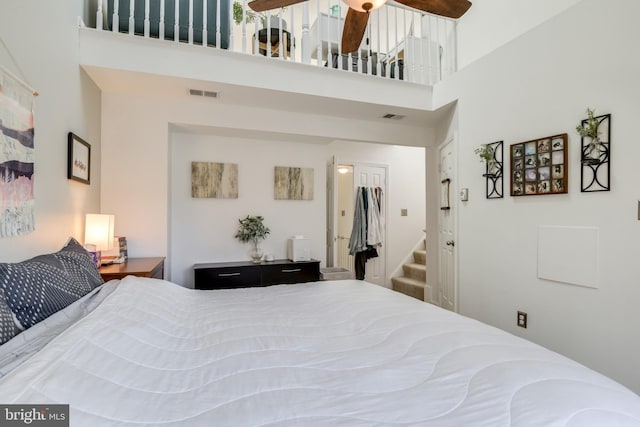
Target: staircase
<point>414,278</point>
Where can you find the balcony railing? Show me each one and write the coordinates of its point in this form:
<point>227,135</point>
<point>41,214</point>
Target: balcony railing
<point>400,43</point>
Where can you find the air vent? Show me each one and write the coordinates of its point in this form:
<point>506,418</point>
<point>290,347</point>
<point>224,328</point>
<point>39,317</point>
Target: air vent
<point>200,92</point>
<point>393,116</point>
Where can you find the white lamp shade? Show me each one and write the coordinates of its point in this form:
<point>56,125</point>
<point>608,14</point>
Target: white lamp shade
<point>99,231</point>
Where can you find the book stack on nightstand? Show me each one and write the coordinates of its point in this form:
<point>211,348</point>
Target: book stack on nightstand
<point>122,245</point>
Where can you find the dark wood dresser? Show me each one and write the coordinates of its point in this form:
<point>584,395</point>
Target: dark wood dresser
<point>246,274</point>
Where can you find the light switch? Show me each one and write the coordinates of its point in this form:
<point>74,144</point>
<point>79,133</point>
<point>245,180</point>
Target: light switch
<point>403,212</point>
<point>464,194</point>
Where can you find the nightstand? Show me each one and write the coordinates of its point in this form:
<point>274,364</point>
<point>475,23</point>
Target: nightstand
<point>141,267</point>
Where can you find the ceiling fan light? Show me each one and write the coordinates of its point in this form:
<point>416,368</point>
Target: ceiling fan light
<point>365,5</point>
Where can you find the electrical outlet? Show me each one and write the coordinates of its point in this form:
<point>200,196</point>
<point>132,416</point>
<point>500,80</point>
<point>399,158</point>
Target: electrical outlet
<point>522,319</point>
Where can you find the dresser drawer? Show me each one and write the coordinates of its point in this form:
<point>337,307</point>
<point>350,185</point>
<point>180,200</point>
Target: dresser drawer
<point>227,277</point>
<point>290,273</point>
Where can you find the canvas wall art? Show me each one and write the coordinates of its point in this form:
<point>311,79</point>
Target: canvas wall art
<point>17,203</point>
<point>214,180</point>
<point>293,183</point>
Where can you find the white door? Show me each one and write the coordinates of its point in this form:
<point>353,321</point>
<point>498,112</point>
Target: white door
<point>331,208</point>
<point>446,227</point>
<point>374,176</point>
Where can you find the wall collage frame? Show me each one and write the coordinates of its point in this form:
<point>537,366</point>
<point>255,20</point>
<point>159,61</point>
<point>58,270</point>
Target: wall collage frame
<point>539,166</point>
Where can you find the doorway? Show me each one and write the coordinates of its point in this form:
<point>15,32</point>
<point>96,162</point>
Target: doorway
<point>348,177</point>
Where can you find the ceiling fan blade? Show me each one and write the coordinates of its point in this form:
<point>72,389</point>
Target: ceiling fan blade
<point>354,26</point>
<point>262,5</point>
<point>448,8</point>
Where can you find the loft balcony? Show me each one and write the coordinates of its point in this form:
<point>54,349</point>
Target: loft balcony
<point>295,49</point>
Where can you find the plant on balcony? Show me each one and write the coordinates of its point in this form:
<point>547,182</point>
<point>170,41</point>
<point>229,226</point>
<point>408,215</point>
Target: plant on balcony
<point>589,129</point>
<point>252,229</point>
<point>250,17</point>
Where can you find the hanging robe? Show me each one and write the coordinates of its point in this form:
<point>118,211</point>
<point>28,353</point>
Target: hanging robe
<point>374,217</point>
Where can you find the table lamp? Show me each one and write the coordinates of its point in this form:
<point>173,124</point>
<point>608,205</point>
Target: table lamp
<point>99,233</point>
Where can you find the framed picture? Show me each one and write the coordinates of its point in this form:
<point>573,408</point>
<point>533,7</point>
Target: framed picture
<point>539,167</point>
<point>79,159</point>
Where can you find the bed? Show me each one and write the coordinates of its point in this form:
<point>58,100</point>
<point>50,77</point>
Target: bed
<point>147,352</point>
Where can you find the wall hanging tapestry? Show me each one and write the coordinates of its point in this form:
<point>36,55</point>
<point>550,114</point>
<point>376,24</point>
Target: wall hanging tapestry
<point>17,212</point>
<point>214,180</point>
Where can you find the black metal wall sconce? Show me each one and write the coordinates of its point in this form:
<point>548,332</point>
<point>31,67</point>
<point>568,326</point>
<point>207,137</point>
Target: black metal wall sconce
<point>595,173</point>
<point>494,172</point>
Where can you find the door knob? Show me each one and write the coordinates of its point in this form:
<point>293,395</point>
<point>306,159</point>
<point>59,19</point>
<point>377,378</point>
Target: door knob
<point>451,243</point>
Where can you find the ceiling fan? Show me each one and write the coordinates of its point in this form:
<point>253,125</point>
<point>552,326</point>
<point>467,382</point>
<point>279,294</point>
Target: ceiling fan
<point>358,14</point>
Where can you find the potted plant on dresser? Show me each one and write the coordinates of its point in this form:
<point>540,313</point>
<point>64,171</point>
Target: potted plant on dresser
<point>252,229</point>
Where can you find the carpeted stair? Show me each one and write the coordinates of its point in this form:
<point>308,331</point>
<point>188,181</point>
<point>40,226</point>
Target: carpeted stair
<point>413,281</point>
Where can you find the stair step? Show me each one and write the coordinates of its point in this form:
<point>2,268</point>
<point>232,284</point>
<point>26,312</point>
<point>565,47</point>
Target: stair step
<point>420,256</point>
<point>415,271</point>
<point>411,287</point>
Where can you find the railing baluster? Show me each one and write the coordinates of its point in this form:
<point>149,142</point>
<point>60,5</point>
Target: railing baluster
<point>319,55</point>
<point>132,22</point>
<point>115,20</point>
<point>386,15</point>
<point>406,47</point>
<point>340,28</point>
<point>281,42</point>
<point>205,23</point>
<point>306,37</point>
<point>176,25</point>
<point>396,63</point>
<point>369,46</point>
<point>430,63</point>
<point>146,18</point>
<point>269,45</point>
<point>422,39</point>
<point>256,38</point>
<point>218,34</point>
<point>329,50</point>
<point>454,55</point>
<point>231,42</point>
<point>161,23</point>
<point>292,35</point>
<point>244,26</point>
<point>379,51</point>
<point>190,27</point>
<point>99,17</point>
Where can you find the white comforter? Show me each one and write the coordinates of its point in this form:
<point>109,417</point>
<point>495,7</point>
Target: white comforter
<point>326,353</point>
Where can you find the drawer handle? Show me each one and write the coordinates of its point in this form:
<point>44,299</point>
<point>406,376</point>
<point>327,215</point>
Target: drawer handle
<point>291,270</point>
<point>228,274</point>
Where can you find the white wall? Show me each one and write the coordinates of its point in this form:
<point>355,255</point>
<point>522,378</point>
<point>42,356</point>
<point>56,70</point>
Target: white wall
<point>135,152</point>
<point>202,230</point>
<point>490,24</point>
<point>538,85</point>
<point>43,38</point>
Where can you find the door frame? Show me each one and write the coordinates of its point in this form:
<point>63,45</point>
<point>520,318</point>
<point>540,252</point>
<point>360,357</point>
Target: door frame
<point>339,161</point>
<point>453,203</point>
